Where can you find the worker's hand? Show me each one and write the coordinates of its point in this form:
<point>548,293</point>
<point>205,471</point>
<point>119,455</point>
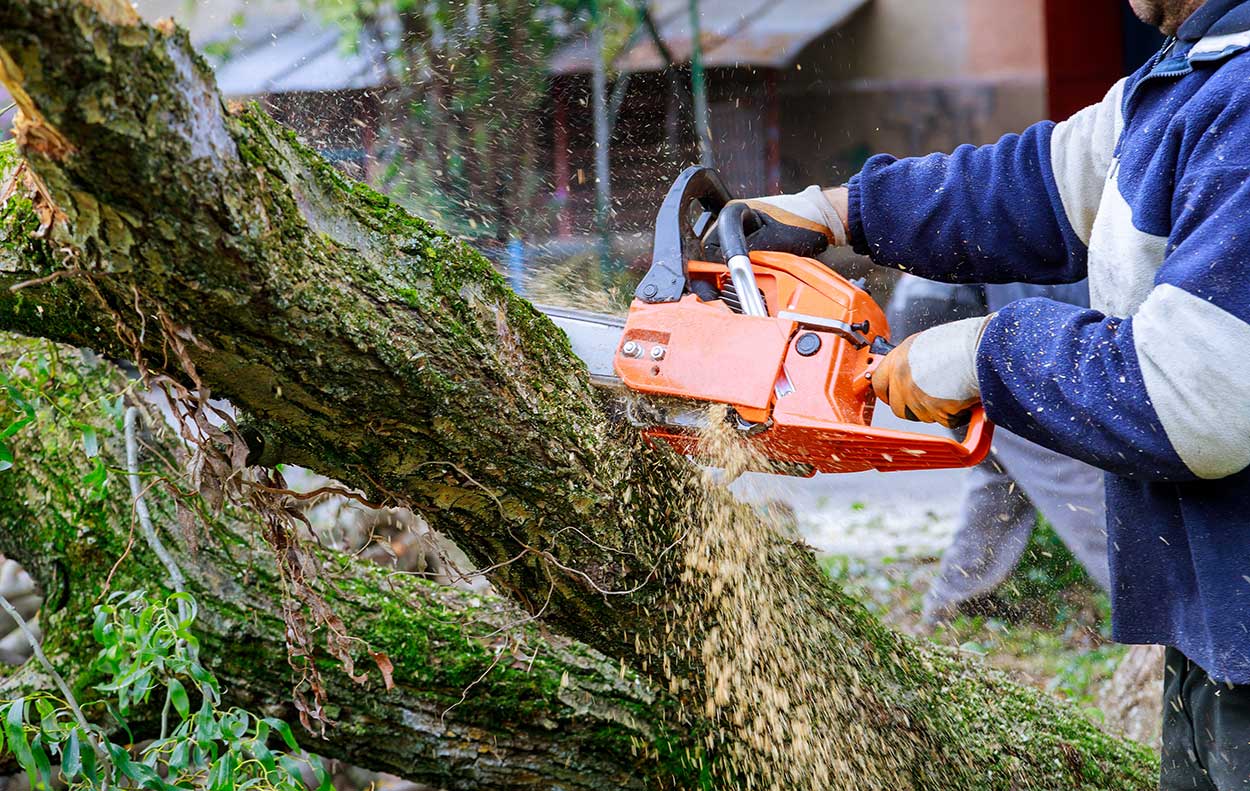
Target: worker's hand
<point>932,376</point>
<point>804,223</point>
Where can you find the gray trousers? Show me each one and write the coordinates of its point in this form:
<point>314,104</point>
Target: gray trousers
<point>1002,497</point>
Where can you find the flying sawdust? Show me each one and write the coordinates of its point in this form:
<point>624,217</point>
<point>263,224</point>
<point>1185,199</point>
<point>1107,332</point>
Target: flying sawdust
<point>788,704</point>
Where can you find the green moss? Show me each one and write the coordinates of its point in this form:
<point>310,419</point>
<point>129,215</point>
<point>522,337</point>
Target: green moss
<point>447,650</point>
<point>18,220</point>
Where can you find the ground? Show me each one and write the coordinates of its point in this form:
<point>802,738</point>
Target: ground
<point>1056,640</point>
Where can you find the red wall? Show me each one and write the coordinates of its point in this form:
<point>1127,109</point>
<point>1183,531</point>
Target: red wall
<point>1084,53</point>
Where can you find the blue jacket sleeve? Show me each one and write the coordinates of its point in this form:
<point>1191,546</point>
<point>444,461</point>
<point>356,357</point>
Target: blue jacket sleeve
<point>1158,396</point>
<point>981,214</point>
<point>1018,210</point>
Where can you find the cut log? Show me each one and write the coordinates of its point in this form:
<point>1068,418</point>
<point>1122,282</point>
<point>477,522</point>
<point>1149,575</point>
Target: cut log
<point>1133,701</point>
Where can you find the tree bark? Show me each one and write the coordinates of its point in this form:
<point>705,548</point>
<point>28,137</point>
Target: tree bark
<point>367,346</point>
<point>481,698</point>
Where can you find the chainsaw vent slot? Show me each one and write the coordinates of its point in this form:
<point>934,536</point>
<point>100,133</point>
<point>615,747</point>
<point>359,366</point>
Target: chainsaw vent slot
<point>729,295</point>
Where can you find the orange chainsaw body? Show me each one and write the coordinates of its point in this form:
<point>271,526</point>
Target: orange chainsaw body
<point>811,408</point>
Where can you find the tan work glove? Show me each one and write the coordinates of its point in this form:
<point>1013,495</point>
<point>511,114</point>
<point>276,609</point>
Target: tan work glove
<point>804,223</point>
<point>932,376</point>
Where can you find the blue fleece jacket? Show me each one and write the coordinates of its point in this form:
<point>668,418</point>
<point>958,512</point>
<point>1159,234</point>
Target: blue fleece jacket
<point>1147,194</point>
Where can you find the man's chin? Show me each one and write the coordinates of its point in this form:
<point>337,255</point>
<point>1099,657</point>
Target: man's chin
<point>1151,12</point>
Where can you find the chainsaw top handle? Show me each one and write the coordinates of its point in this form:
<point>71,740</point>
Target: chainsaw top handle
<point>697,200</point>
<point>732,229</point>
<point>679,232</point>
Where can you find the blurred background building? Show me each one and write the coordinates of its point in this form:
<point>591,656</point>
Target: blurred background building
<point>803,91</point>
<point>481,114</point>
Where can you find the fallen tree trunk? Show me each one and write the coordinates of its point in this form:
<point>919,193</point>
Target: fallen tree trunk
<point>366,345</point>
<point>481,698</point>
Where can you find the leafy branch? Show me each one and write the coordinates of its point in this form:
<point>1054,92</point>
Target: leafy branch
<point>148,650</point>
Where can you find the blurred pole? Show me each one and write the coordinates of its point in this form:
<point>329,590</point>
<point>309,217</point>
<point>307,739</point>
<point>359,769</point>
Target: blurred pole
<point>516,265</point>
<point>564,222</point>
<point>678,106</point>
<point>698,86</point>
<point>603,174</point>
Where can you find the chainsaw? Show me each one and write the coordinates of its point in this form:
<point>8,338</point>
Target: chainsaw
<point>788,344</point>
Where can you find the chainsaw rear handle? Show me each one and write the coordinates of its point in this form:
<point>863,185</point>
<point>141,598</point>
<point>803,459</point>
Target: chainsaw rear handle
<point>980,430</point>
<point>731,229</point>
<point>979,434</point>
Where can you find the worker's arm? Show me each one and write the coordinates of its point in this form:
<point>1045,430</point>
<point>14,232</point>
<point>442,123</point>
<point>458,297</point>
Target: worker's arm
<point>1019,210</point>
<point>1163,395</point>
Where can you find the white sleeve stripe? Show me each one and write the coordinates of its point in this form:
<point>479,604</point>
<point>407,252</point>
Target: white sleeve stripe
<point>1081,149</point>
<point>1190,353</point>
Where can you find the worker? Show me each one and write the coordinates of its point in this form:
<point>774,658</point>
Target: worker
<point>1147,193</point>
<point>917,304</point>
<point>1004,494</point>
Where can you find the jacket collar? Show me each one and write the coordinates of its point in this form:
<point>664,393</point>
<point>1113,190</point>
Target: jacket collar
<point>1218,29</point>
<point>1216,18</point>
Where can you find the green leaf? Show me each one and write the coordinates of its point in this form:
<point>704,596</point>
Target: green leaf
<point>90,771</point>
<point>19,424</point>
<point>71,759</point>
<point>99,628</point>
<point>324,781</point>
<point>117,715</point>
<point>97,479</point>
<point>177,599</point>
<point>221,776</point>
<point>207,728</point>
<point>180,758</point>
<point>264,755</point>
<point>46,712</point>
<point>114,407</point>
<point>90,442</point>
<point>121,761</point>
<point>43,764</point>
<point>15,730</point>
<point>284,731</point>
<point>6,457</point>
<point>178,696</point>
<point>236,724</point>
<point>202,676</point>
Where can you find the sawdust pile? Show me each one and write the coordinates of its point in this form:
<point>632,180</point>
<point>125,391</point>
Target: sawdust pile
<point>787,698</point>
